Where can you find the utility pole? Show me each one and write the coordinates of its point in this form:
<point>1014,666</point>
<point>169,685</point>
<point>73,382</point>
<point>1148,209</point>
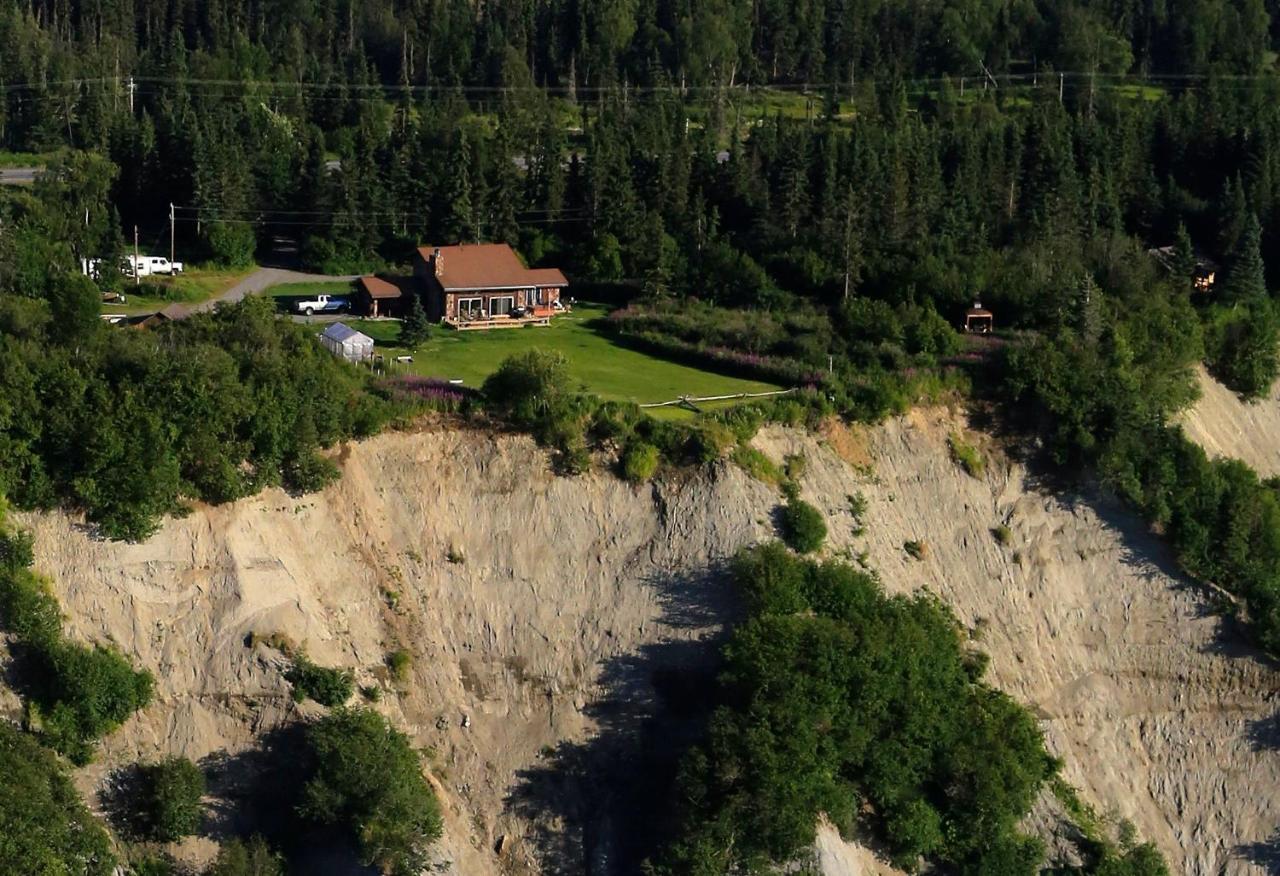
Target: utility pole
<point>136,282</point>
<point>132,88</point>
<point>1061,77</point>
<point>171,223</point>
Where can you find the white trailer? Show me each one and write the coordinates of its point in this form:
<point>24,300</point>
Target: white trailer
<point>146,266</point>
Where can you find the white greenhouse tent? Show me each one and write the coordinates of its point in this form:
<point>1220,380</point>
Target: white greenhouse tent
<point>342,340</point>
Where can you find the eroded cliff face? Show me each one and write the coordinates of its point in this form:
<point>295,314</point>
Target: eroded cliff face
<point>1226,426</point>
<point>556,624</point>
<point>1159,712</point>
<point>537,610</point>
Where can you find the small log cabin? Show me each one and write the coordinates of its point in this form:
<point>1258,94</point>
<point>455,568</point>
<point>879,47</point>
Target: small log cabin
<point>480,285</point>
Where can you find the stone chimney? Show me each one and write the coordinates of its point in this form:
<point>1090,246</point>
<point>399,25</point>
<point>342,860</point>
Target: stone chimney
<point>437,261</point>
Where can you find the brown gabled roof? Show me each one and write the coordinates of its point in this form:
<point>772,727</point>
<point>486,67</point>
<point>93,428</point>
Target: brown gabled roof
<point>487,266</point>
<point>547,277</point>
<point>376,287</point>
<point>171,313</point>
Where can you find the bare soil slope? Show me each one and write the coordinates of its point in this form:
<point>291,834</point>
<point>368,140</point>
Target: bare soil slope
<point>1159,718</point>
<point>548,617</point>
<point>1226,426</point>
<point>531,604</point>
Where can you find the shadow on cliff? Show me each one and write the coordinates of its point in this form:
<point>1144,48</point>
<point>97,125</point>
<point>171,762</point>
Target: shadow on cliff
<point>1146,551</point>
<point>256,791</point>
<point>602,806</point>
<point>1264,854</point>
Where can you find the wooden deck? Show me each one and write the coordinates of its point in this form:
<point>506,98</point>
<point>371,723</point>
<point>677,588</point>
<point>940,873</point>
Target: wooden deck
<point>501,322</point>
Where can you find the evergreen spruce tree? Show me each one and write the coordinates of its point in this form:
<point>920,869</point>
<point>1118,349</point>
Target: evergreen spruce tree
<point>415,328</point>
<point>1184,256</point>
<point>459,223</point>
<point>1245,279</point>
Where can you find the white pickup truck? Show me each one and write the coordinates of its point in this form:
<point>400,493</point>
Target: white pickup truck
<point>323,304</point>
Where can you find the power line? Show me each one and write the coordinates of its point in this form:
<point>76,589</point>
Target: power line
<point>296,88</point>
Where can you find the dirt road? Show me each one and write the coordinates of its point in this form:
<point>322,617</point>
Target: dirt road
<point>264,278</point>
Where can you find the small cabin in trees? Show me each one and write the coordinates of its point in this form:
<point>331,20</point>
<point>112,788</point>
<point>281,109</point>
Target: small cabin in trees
<point>485,285</point>
<point>1204,273</point>
<point>978,319</point>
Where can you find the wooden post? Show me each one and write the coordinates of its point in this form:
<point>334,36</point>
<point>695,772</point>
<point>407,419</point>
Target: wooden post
<point>137,282</point>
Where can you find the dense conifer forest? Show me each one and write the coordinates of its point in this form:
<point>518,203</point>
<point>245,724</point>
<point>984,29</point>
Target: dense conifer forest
<point>811,193</point>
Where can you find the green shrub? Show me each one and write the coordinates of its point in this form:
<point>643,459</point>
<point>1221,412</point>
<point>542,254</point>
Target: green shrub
<point>744,421</point>
<point>44,825</point>
<point>328,687</point>
<point>615,421</point>
<point>966,455</point>
<point>1240,346</point>
<point>154,864</point>
<point>573,458</point>
<point>708,441</point>
<point>839,699</point>
<point>364,777</point>
<point>803,528</point>
<point>252,858</point>
<point>527,387</point>
<point>757,464</point>
<point>640,462</point>
<point>917,549</point>
<point>795,465</point>
<point>400,662</point>
<point>76,693</point>
<point>172,792</point>
<point>858,509</point>
<point>1002,533</point>
<point>85,693</point>
<point>308,472</point>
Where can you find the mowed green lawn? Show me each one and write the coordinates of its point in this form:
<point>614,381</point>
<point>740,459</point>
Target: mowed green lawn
<point>604,368</point>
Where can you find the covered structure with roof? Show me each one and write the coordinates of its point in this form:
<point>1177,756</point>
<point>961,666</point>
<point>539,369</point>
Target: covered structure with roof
<point>382,296</point>
<point>1204,270</point>
<point>485,285</point>
<point>170,313</point>
<point>979,319</point>
<point>342,340</point>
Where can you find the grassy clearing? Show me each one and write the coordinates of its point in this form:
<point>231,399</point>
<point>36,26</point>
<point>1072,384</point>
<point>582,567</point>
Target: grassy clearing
<point>309,289</point>
<point>192,287</point>
<point>606,369</point>
<point>25,159</point>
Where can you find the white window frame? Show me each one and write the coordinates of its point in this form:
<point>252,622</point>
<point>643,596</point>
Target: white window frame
<point>477,309</point>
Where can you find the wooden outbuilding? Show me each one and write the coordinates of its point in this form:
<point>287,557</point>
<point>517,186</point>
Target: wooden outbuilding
<point>171,313</point>
<point>978,319</point>
<point>379,296</point>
